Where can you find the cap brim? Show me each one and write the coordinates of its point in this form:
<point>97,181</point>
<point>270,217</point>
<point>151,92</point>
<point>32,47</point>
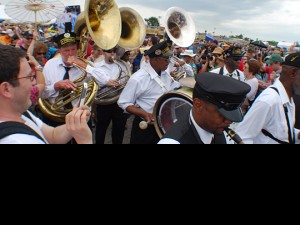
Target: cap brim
<point>235,116</point>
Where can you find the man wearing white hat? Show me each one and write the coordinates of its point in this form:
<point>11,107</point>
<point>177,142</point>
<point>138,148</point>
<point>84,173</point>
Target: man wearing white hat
<point>189,66</point>
<point>7,38</point>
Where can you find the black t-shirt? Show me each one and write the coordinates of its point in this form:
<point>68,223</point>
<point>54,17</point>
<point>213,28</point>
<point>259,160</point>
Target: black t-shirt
<point>297,102</point>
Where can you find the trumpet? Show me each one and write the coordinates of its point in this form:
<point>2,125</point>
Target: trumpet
<point>234,136</point>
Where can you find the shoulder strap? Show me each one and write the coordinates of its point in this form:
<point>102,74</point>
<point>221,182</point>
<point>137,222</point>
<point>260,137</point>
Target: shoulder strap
<point>221,71</point>
<point>291,139</point>
<point>10,128</point>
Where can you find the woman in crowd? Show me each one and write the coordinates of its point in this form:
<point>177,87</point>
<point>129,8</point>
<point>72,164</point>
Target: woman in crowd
<point>251,68</point>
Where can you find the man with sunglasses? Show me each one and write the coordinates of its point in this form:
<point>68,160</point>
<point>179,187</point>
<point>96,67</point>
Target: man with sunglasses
<point>26,40</point>
<point>108,113</point>
<point>217,102</point>
<point>19,126</point>
<point>271,119</point>
<point>144,89</point>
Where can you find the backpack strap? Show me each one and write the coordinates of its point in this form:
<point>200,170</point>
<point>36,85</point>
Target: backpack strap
<point>221,71</point>
<point>10,128</point>
<point>268,134</point>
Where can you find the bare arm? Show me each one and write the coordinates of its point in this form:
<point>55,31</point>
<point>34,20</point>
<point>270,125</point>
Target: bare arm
<point>40,78</point>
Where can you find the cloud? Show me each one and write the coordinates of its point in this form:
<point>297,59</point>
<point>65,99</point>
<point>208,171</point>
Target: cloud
<point>266,20</point>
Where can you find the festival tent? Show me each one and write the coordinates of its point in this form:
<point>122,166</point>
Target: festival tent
<point>284,44</point>
<point>3,15</point>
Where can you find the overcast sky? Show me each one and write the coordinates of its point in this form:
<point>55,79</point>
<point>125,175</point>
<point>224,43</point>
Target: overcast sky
<point>264,19</point>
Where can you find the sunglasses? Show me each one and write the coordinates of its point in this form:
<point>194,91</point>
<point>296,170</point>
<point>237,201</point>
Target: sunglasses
<point>29,38</point>
<point>41,53</point>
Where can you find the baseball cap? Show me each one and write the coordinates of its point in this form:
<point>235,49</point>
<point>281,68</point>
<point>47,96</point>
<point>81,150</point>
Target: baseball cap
<point>274,59</point>
<point>293,60</point>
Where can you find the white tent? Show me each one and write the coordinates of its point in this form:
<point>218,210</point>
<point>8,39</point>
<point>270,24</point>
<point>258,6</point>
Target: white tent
<point>284,44</point>
<point>2,13</point>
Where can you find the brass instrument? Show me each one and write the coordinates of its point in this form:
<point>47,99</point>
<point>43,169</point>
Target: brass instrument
<point>180,27</point>
<point>58,110</point>
<point>179,71</point>
<point>133,29</point>
<point>110,95</point>
<point>103,20</point>
<point>234,136</point>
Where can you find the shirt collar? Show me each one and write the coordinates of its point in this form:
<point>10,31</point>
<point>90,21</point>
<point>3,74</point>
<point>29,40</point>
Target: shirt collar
<point>149,69</point>
<point>205,136</point>
<point>61,63</point>
<point>283,94</point>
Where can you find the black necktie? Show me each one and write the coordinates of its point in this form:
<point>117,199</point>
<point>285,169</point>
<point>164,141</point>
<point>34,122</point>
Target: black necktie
<point>67,75</point>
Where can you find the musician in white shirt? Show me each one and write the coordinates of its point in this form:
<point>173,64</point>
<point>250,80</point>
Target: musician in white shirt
<point>271,119</point>
<point>108,112</point>
<point>232,60</point>
<point>60,72</point>
<point>144,89</point>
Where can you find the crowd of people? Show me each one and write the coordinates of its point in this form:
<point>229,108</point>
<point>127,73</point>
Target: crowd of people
<point>255,90</point>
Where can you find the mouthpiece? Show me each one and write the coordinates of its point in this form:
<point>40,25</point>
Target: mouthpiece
<point>143,125</point>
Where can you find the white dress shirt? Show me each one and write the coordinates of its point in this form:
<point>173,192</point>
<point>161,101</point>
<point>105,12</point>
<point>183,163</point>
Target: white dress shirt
<point>205,136</point>
<point>234,74</point>
<point>24,138</point>
<point>54,72</point>
<point>143,90</point>
<point>112,71</point>
<point>268,113</point>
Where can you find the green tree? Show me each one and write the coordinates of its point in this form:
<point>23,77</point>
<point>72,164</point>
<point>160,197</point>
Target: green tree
<point>153,21</point>
<point>273,43</point>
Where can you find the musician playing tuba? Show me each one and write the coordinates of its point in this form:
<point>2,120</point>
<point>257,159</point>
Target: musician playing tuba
<point>217,102</point>
<point>60,73</point>
<point>114,73</point>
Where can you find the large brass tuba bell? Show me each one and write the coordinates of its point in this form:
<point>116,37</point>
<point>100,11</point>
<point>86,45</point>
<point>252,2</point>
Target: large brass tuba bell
<point>133,29</point>
<point>180,27</point>
<point>103,21</point>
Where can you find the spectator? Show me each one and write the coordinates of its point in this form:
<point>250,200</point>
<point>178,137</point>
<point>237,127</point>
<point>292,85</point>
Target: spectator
<point>8,37</point>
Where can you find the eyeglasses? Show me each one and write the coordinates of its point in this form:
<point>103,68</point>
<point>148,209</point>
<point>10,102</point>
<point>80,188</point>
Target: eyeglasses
<point>31,77</point>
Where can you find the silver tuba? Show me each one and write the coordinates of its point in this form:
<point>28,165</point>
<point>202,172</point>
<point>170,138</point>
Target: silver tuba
<point>180,27</point>
<point>110,95</point>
